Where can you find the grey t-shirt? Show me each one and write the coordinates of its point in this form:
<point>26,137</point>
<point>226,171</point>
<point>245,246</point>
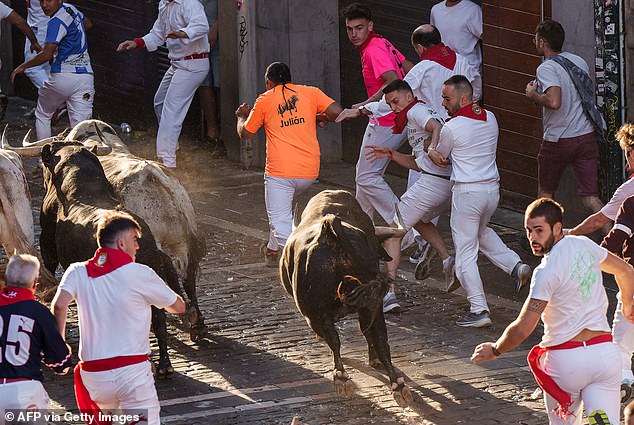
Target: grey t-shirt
<point>211,10</point>
<point>569,120</point>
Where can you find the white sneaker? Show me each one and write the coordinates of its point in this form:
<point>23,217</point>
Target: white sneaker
<point>449,269</point>
<point>390,305</point>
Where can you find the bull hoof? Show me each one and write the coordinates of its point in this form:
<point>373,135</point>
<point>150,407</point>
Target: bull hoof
<point>343,384</point>
<point>198,333</point>
<point>402,395</point>
<point>164,372</point>
<point>376,364</point>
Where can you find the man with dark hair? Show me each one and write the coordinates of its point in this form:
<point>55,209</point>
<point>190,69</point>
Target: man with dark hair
<point>470,139</point>
<point>430,195</point>
<point>288,113</point>
<point>182,26</point>
<point>71,78</point>
<point>438,62</point>
<point>381,63</point>
<point>569,117</point>
<point>28,338</point>
<point>575,363</point>
<point>114,295</point>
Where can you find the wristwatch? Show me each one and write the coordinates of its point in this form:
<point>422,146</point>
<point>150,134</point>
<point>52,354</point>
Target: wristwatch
<point>362,108</point>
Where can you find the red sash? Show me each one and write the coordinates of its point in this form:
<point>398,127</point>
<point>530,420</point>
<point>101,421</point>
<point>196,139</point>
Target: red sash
<point>547,383</point>
<point>13,294</point>
<point>84,402</point>
<point>441,54</point>
<point>105,261</point>
<point>472,110</point>
<point>400,119</point>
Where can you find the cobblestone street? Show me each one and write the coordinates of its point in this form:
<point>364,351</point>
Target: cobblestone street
<point>261,364</point>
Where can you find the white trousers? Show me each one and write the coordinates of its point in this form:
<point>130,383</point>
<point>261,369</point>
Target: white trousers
<point>279,193</point>
<point>129,388</point>
<point>37,74</point>
<point>372,191</point>
<point>592,377</point>
<point>171,103</point>
<point>77,90</point>
<point>472,205</point>
<point>23,395</point>
<point>623,335</point>
<point>426,199</point>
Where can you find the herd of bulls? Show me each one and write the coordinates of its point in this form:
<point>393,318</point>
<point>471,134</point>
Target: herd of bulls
<point>330,264</point>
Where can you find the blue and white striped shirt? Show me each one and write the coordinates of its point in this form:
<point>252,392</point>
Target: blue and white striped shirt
<point>66,29</point>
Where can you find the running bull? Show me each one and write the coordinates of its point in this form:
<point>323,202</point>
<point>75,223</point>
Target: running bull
<point>330,266</point>
<point>149,190</point>
<point>77,193</point>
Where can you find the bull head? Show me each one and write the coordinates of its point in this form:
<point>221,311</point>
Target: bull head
<point>35,149</point>
<point>352,241</point>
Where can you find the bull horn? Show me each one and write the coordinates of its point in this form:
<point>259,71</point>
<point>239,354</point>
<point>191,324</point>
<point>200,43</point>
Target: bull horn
<point>389,232</point>
<point>27,138</point>
<point>42,142</point>
<point>5,145</point>
<point>99,133</point>
<point>24,152</point>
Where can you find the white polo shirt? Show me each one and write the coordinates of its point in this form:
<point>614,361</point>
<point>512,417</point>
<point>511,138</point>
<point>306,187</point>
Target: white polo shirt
<point>417,118</point>
<point>569,278</point>
<point>569,120</point>
<point>460,28</point>
<point>471,146</point>
<point>114,309</point>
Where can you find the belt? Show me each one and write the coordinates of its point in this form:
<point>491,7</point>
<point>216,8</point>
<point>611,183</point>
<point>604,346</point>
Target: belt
<point>576,344</point>
<point>10,380</point>
<point>435,175</point>
<point>194,56</point>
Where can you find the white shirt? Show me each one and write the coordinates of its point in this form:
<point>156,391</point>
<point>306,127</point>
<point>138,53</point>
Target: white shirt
<point>569,278</point>
<point>4,11</point>
<point>114,309</point>
<point>426,79</point>
<point>471,146</point>
<point>611,209</point>
<point>417,118</point>
<point>569,120</point>
<point>36,18</point>
<point>460,28</point>
<point>184,15</point>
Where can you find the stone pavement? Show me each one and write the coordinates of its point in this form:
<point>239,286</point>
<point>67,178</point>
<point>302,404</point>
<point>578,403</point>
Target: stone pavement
<point>261,364</point>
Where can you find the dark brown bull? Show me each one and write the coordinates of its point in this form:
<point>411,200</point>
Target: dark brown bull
<point>330,265</point>
<point>77,195</point>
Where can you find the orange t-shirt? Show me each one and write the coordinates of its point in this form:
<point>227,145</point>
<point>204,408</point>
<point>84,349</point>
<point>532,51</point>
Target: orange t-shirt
<point>289,119</point>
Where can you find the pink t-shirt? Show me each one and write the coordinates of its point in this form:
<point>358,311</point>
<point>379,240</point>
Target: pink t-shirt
<point>378,57</point>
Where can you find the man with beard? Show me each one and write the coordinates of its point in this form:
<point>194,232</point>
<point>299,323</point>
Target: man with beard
<point>470,139</point>
<point>575,363</point>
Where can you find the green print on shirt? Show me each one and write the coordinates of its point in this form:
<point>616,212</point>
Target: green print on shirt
<point>584,275</point>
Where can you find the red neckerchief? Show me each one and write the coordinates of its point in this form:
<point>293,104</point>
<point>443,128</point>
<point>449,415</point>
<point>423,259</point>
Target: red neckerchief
<point>400,119</point>
<point>105,261</point>
<point>367,41</point>
<point>11,295</point>
<point>472,110</point>
<point>441,54</point>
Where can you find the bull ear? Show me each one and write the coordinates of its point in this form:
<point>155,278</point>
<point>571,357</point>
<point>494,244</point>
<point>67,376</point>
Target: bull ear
<point>47,154</point>
<point>332,225</point>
